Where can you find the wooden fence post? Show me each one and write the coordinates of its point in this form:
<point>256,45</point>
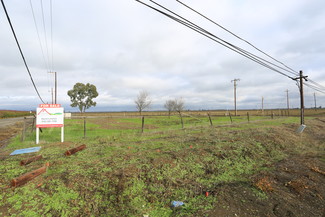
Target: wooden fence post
<point>247,116</point>
<point>84,127</point>
<point>24,131</point>
<point>210,119</point>
<point>142,129</point>
<point>230,117</point>
<point>33,124</point>
<point>180,114</point>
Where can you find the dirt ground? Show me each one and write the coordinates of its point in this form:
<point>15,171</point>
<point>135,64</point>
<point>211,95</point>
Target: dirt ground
<point>8,132</point>
<point>295,188</point>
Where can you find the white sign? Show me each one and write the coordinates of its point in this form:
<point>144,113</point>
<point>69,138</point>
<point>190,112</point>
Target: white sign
<point>49,115</point>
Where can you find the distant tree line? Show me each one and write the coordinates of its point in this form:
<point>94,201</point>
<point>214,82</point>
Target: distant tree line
<point>143,101</point>
<point>82,95</point>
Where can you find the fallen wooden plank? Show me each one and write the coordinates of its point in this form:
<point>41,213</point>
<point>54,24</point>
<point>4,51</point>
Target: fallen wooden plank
<point>74,150</point>
<point>21,180</point>
<point>30,160</point>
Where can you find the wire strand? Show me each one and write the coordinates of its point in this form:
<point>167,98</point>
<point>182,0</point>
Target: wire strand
<point>292,70</point>
<point>51,15</point>
<point>45,35</point>
<point>38,35</point>
<point>236,47</point>
<point>20,50</point>
<point>314,88</point>
<point>209,35</point>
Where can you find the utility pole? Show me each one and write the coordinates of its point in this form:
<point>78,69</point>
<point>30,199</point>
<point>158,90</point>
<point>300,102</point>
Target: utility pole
<point>52,95</point>
<point>288,107</point>
<point>56,89</point>
<point>315,101</point>
<point>235,100</point>
<point>262,105</point>
<point>301,90</point>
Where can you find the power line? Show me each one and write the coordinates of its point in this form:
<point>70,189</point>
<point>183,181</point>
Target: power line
<point>51,15</point>
<point>45,35</point>
<point>38,35</point>
<point>292,70</point>
<point>315,83</point>
<point>241,51</point>
<point>211,36</point>
<point>230,46</point>
<point>21,52</point>
<point>314,88</point>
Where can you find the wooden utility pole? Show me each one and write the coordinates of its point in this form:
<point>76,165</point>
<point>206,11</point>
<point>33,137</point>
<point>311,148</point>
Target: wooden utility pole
<point>235,100</point>
<point>52,95</point>
<point>288,107</point>
<point>301,90</point>
<point>56,87</point>
<point>262,105</point>
<point>315,100</point>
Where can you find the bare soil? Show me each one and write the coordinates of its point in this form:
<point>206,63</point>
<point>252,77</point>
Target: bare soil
<point>295,188</point>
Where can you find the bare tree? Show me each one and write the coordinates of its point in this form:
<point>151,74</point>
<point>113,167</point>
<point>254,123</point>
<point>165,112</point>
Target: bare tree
<point>179,107</point>
<point>170,106</point>
<point>142,101</point>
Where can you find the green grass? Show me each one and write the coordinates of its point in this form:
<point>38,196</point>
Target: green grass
<point>124,172</point>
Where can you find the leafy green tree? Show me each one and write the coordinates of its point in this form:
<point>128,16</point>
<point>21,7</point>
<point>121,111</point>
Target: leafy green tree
<point>82,96</point>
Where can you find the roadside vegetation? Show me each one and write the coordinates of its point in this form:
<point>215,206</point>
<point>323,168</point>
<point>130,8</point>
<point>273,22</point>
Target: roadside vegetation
<point>13,114</point>
<point>124,172</point>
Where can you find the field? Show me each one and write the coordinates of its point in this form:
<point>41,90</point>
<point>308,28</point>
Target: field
<point>239,166</point>
<point>11,113</point>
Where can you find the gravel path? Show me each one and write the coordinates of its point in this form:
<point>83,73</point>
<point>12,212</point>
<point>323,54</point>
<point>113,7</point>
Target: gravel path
<point>10,121</point>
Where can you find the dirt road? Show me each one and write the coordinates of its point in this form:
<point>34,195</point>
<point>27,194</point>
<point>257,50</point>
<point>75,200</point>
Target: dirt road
<point>10,127</point>
<point>10,121</point>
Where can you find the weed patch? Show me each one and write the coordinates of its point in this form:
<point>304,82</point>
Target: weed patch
<point>123,172</point>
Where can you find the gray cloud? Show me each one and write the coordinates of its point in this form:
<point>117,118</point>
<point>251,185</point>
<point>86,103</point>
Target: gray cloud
<point>123,47</point>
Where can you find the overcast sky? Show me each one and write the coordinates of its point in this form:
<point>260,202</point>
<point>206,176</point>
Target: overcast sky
<point>123,47</point>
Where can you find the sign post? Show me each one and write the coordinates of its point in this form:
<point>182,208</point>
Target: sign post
<point>49,115</point>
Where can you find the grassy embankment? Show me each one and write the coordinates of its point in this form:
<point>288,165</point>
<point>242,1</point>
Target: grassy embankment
<point>124,172</point>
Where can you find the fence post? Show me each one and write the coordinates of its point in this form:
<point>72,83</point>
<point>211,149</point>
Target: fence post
<point>24,130</point>
<point>142,124</point>
<point>210,119</point>
<point>33,124</point>
<point>84,127</point>
<point>230,117</point>
<point>180,114</point>
<point>247,116</point>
